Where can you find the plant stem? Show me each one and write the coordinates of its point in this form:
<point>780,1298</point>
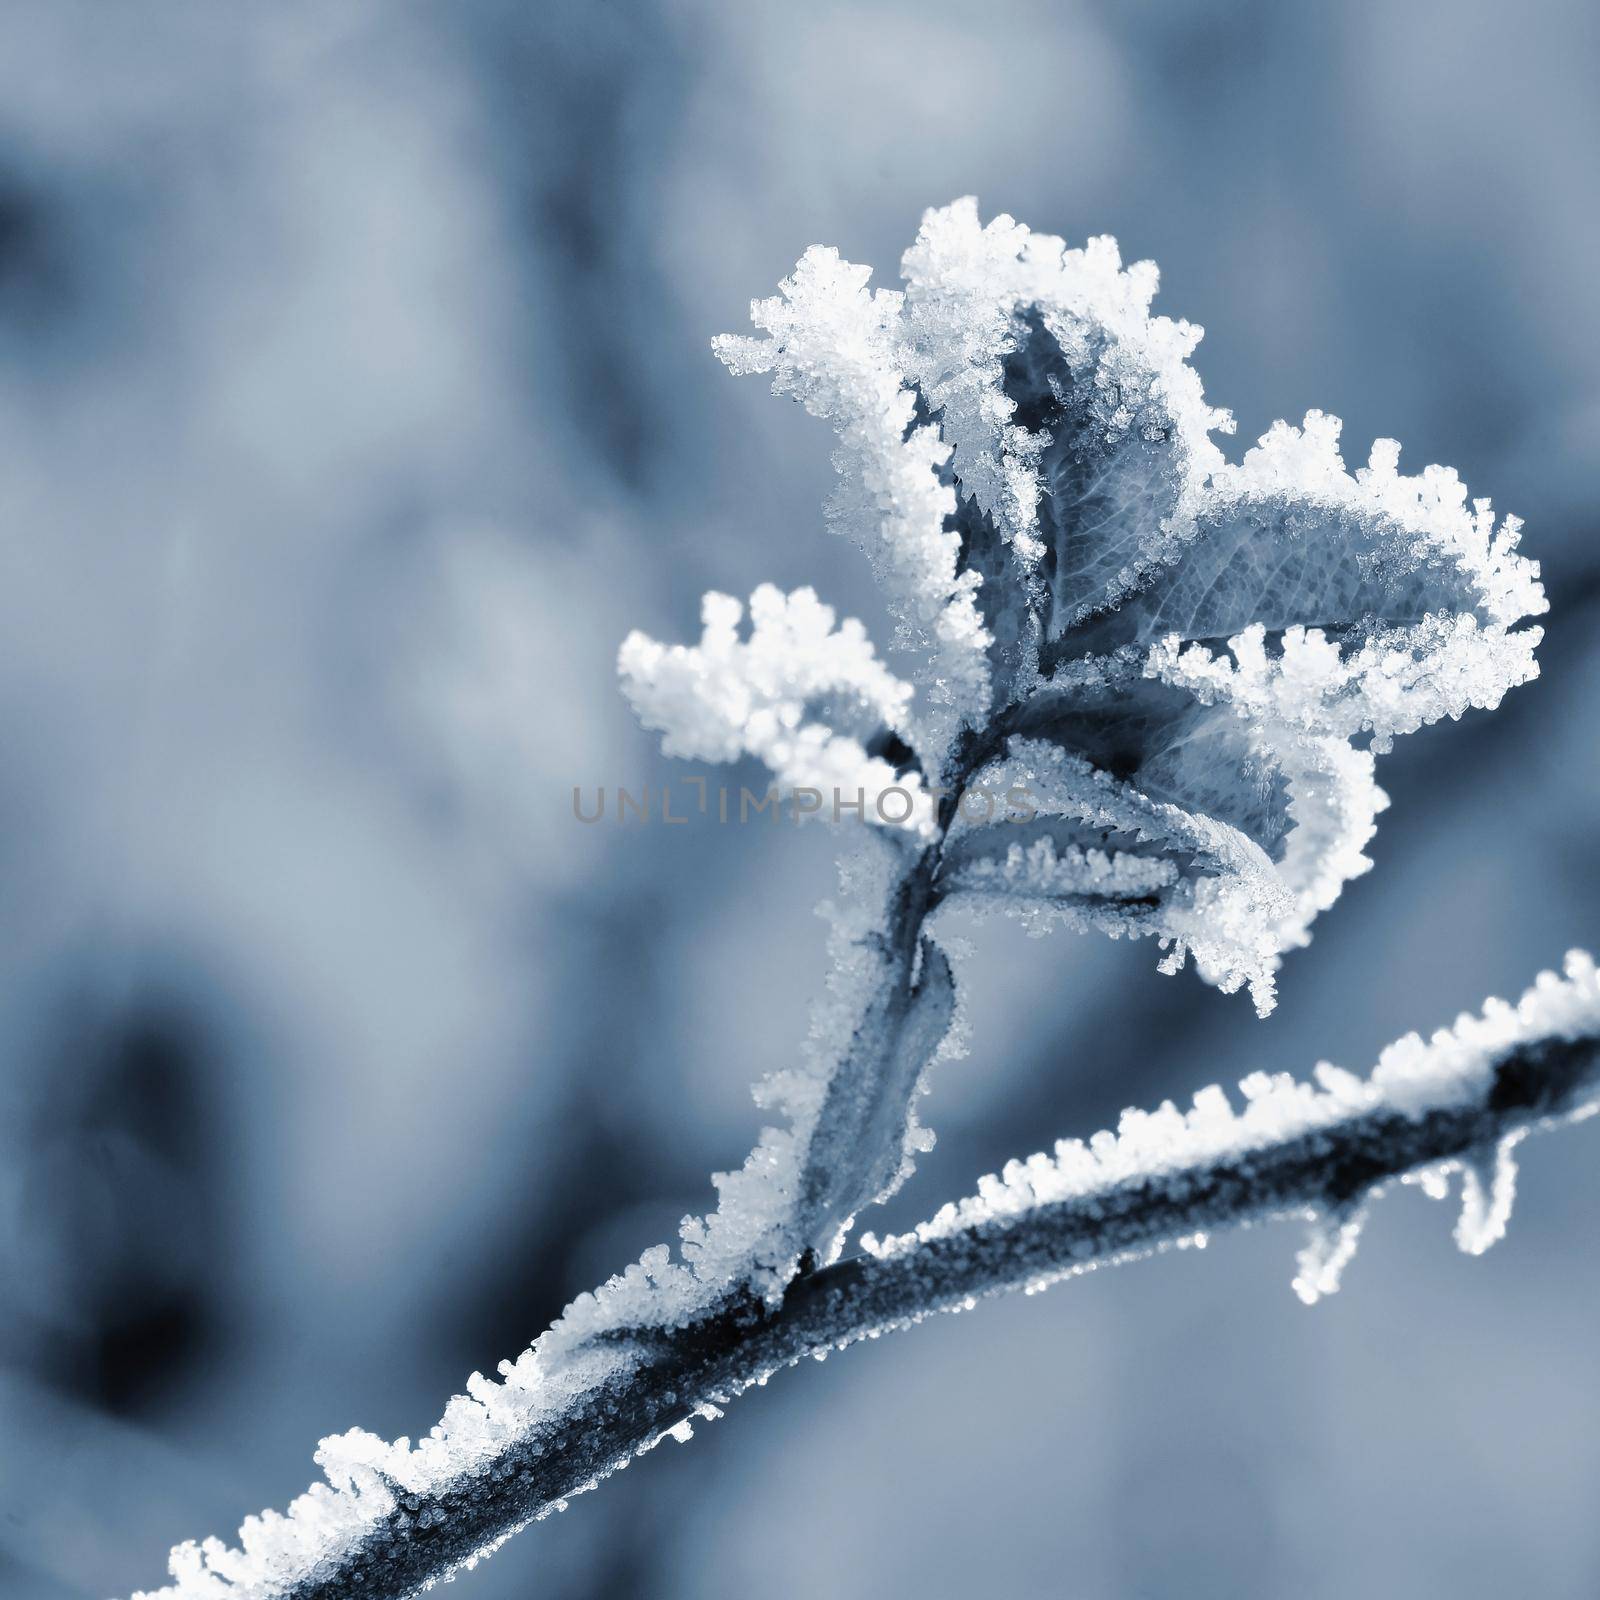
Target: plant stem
<point>857,1150</point>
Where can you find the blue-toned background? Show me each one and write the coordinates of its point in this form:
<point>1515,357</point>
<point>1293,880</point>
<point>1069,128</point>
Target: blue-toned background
<point>355,400</point>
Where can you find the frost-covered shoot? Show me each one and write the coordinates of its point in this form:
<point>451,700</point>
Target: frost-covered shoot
<point>1178,672</point>
<point>1199,658</point>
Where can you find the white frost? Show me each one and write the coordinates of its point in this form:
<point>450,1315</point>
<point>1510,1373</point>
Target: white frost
<point>799,695</point>
<point>1230,917</point>
<point>967,284</point>
<point>1432,506</point>
<point>1453,1069</point>
<point>1328,1251</point>
<point>1397,681</point>
<point>835,346</point>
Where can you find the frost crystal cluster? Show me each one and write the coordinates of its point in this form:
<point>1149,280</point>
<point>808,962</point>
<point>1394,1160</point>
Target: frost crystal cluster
<point>1138,689</point>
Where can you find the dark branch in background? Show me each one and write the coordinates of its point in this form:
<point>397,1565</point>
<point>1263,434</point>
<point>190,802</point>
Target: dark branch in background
<point>1325,1170</point>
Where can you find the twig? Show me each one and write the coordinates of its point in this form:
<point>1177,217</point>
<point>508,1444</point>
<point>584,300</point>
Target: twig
<point>1326,1168</point>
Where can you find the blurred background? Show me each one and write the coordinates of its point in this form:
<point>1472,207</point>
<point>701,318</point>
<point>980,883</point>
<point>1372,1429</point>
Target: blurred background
<point>355,400</point>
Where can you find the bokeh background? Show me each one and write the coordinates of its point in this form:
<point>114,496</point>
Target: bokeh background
<point>355,400</point>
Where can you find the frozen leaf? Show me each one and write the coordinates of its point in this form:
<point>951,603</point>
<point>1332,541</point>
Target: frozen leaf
<point>1290,539</point>
<point>835,346</point>
<point>1100,852</point>
<point>809,700</point>
<point>1112,470</point>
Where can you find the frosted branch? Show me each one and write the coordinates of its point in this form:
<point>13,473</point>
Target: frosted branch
<point>1024,452</point>
<point>1166,1179</point>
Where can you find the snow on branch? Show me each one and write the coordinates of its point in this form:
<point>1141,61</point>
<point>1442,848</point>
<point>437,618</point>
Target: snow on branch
<point>394,1519</point>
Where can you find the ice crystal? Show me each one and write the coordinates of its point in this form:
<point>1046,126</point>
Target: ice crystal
<point>1328,1251</point>
<point>1488,1191</point>
<point>368,1478</point>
